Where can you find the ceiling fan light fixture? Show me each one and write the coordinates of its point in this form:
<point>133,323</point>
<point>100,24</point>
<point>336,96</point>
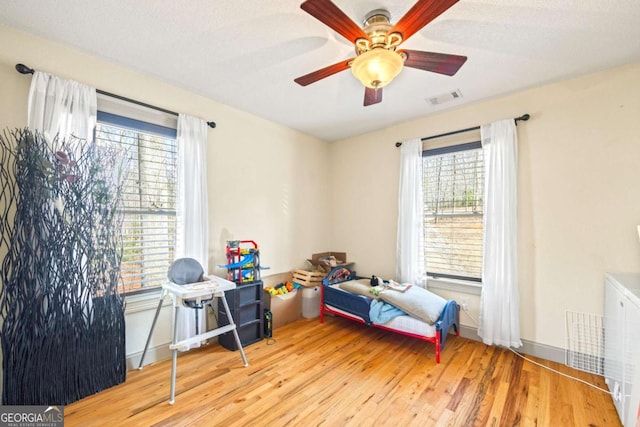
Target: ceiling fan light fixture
<point>377,67</point>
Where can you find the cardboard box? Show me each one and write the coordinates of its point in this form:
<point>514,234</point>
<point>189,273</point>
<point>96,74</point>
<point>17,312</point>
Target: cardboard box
<point>284,308</point>
<point>318,264</point>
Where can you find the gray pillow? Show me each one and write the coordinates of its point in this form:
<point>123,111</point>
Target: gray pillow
<point>416,301</point>
<point>358,287</point>
<point>184,271</point>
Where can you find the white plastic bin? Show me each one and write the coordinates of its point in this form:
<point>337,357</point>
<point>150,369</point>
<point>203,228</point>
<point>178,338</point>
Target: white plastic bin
<point>310,302</point>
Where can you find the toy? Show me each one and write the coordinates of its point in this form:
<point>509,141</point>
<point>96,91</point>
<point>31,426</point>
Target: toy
<point>282,289</point>
<point>243,261</point>
<point>377,281</point>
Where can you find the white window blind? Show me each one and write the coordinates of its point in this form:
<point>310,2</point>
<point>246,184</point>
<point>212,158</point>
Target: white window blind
<point>149,200</point>
<point>453,209</point>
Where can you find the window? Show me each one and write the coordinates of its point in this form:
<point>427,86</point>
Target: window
<point>149,200</point>
<point>453,178</point>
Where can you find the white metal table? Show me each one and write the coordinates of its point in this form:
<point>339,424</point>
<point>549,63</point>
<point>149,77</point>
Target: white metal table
<point>198,292</point>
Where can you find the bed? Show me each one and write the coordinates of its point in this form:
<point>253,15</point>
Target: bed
<point>345,294</point>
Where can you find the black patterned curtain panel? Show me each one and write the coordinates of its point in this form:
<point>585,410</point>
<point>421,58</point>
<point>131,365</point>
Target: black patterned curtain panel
<point>63,328</point>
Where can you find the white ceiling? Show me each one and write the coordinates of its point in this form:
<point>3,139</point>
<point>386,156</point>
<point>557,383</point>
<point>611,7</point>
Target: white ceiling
<point>246,53</point>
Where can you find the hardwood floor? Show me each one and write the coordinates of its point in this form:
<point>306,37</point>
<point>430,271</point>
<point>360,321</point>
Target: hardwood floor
<point>342,373</point>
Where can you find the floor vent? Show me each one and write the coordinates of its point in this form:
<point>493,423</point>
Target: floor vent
<point>585,342</point>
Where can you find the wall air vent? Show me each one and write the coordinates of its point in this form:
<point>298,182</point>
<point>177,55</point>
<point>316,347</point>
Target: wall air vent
<point>445,97</point>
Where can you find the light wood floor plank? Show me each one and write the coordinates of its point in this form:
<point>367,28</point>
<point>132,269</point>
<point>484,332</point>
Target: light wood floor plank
<point>344,374</point>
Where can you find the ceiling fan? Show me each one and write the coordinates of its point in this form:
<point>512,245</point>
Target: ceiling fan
<point>377,59</point>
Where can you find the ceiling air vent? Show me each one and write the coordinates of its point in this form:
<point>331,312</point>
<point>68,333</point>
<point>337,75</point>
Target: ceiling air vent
<point>445,97</point>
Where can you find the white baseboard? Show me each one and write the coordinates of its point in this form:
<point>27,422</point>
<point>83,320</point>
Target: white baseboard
<point>532,348</point>
<point>154,354</point>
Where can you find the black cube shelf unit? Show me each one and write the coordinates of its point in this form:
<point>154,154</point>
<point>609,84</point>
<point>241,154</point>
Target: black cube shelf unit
<point>246,301</point>
<point>246,306</point>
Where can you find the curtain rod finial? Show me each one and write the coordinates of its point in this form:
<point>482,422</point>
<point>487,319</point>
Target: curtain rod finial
<point>23,69</point>
<point>212,125</point>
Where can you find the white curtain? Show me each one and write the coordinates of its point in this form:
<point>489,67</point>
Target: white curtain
<point>409,250</point>
<point>64,108</point>
<point>192,210</point>
<point>499,307</point>
<point>61,107</point>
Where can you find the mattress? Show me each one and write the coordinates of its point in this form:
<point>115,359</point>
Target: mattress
<point>400,323</point>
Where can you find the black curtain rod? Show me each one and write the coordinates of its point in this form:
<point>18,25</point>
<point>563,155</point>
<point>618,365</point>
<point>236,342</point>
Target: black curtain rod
<point>23,69</point>
<point>523,118</point>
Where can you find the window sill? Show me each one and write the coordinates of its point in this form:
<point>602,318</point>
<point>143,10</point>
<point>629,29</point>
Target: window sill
<point>144,302</point>
<point>462,286</point>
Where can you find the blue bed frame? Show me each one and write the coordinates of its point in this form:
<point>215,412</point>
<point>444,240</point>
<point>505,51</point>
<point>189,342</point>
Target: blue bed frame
<point>358,308</point>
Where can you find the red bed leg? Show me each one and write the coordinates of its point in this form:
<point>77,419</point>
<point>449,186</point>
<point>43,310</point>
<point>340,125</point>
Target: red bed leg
<point>437,346</point>
<point>321,303</point>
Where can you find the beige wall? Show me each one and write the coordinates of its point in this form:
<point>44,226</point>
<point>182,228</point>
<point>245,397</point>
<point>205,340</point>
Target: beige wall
<point>579,199</point>
<point>266,182</point>
<point>579,193</point>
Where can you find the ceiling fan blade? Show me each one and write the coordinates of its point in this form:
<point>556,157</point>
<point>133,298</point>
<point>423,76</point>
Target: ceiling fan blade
<point>441,63</point>
<point>372,96</point>
<point>423,12</point>
<point>323,73</point>
<point>329,14</point>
